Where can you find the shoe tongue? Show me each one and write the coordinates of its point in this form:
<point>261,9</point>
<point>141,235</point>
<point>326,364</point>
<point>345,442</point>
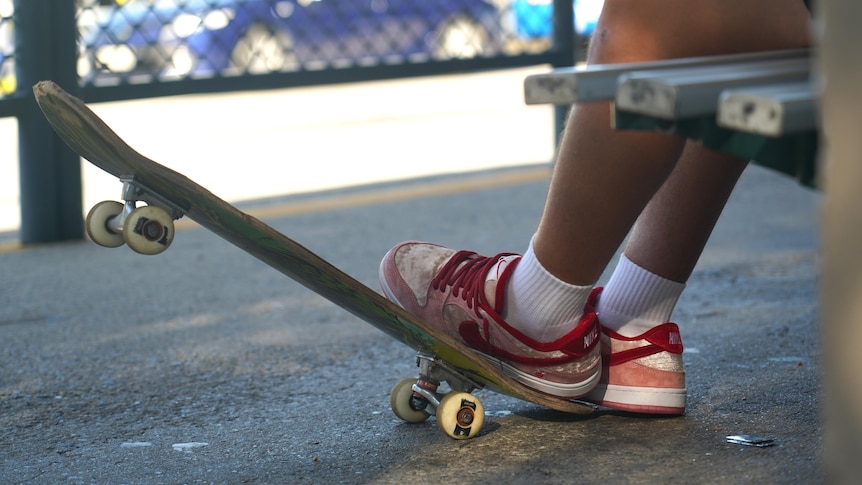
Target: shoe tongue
<point>498,275</point>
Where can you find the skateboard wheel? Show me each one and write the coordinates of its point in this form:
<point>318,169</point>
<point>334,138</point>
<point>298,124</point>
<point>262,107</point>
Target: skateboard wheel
<point>149,230</point>
<point>97,224</point>
<point>460,415</point>
<point>400,399</point>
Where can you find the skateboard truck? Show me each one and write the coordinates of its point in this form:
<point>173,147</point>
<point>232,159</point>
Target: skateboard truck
<point>134,191</point>
<point>459,413</point>
<point>147,229</point>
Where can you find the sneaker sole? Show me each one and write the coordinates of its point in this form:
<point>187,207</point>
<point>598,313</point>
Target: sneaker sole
<point>556,389</point>
<point>647,400</point>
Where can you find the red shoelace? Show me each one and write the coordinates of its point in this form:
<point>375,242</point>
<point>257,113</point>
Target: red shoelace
<point>465,272</point>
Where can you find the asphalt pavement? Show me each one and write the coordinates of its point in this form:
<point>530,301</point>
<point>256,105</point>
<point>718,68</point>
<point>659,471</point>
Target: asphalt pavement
<point>203,365</point>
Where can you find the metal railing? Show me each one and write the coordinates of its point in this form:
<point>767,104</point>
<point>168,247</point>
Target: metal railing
<point>109,50</point>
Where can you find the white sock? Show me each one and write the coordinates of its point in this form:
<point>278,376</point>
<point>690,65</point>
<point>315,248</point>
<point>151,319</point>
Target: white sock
<point>636,300</point>
<point>541,305</point>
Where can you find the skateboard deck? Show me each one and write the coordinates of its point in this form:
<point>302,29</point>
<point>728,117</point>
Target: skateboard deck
<point>440,357</point>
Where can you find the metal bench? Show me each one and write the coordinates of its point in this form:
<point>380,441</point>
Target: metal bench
<point>760,106</point>
<point>565,86</point>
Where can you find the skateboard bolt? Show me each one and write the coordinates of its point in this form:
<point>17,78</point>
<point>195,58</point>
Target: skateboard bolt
<point>465,417</point>
<point>152,230</point>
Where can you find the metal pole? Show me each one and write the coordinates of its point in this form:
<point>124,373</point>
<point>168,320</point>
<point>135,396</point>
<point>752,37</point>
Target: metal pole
<point>563,46</point>
<point>840,67</point>
<point>50,173</point>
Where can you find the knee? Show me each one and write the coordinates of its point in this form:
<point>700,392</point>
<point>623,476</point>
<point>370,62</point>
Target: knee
<point>640,30</point>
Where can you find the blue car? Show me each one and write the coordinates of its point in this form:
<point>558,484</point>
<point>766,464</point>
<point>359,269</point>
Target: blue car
<point>533,17</point>
<point>200,38</point>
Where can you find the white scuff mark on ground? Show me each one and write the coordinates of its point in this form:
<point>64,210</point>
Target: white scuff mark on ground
<point>788,358</point>
<point>188,447</point>
<point>135,444</point>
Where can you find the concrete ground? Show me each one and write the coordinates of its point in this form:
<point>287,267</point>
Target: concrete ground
<point>203,365</point>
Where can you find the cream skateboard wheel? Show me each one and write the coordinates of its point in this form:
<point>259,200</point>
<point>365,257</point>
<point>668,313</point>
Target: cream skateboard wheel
<point>97,224</point>
<point>149,230</point>
<point>399,400</point>
<point>460,415</point>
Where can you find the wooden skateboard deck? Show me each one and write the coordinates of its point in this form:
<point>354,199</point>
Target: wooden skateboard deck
<point>91,138</point>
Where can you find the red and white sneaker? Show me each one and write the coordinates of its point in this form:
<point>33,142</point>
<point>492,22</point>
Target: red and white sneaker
<point>642,374</point>
<point>463,294</point>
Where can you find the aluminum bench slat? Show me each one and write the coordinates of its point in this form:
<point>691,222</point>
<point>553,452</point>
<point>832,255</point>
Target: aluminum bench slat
<point>686,93</point>
<point>564,86</point>
<point>769,110</point>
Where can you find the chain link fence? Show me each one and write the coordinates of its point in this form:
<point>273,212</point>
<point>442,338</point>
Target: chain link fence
<point>134,42</point>
<point>142,41</point>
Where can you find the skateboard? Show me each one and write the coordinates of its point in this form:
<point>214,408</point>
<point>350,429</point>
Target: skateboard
<point>155,196</point>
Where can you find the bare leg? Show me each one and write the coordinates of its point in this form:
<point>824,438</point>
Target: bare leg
<point>601,182</point>
<point>604,179</point>
<point>673,229</point>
